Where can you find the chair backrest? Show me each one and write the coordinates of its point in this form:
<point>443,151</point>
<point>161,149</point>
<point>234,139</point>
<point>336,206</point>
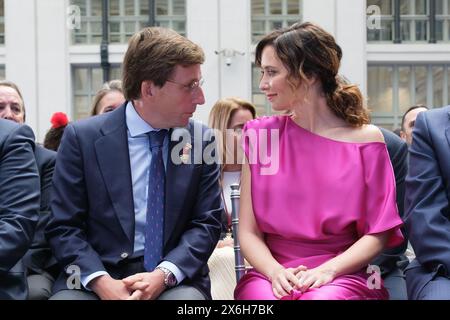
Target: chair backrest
<point>238,259</point>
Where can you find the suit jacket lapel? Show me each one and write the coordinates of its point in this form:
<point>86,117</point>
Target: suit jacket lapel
<point>178,179</point>
<point>114,163</point>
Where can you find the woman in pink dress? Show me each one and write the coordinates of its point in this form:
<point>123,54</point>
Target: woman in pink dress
<point>318,190</point>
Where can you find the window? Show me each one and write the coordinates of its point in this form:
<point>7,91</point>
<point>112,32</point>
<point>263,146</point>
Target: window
<point>393,88</point>
<point>443,20</point>
<point>2,22</point>
<point>416,21</point>
<point>171,14</point>
<point>125,18</point>
<point>386,31</point>
<point>87,80</point>
<point>2,72</point>
<point>268,15</point>
<point>90,29</point>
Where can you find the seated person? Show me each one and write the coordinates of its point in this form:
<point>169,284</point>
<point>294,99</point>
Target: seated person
<point>108,98</point>
<point>317,189</point>
<point>427,207</point>
<point>19,204</point>
<point>39,261</point>
<point>228,116</point>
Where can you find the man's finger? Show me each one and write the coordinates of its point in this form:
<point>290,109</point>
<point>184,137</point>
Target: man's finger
<point>132,279</point>
<point>138,285</point>
<point>136,295</point>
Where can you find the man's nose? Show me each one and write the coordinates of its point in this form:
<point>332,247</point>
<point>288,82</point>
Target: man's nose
<point>7,113</point>
<point>199,96</point>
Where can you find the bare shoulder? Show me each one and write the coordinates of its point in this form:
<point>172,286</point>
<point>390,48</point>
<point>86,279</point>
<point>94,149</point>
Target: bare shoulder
<point>364,134</point>
<point>367,133</point>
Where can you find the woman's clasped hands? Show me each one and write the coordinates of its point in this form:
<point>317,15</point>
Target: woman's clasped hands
<point>286,280</point>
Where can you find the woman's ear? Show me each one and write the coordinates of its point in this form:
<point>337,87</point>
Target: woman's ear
<point>311,80</point>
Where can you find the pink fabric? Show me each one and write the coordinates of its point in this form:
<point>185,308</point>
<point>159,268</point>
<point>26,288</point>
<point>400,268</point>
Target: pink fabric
<point>325,196</point>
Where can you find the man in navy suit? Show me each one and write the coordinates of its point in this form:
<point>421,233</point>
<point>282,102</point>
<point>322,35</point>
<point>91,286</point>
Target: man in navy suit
<point>105,192</point>
<point>428,207</point>
<point>19,205</point>
<point>38,260</point>
<point>392,261</point>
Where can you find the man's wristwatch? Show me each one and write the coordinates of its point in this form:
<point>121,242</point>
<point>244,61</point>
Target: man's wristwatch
<point>169,278</point>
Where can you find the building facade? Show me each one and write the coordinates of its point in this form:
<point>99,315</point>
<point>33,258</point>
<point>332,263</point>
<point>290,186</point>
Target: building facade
<point>397,51</point>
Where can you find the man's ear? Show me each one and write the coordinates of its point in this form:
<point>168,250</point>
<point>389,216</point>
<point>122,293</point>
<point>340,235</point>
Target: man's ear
<point>147,89</point>
<point>403,135</point>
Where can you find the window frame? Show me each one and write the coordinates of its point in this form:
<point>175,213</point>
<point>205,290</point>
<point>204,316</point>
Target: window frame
<point>395,116</point>
<point>91,91</point>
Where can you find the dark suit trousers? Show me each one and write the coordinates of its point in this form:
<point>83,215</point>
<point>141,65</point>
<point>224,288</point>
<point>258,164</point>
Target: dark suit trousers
<point>437,288</point>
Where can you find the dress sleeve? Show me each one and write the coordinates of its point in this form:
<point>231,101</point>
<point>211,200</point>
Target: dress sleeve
<point>380,212</point>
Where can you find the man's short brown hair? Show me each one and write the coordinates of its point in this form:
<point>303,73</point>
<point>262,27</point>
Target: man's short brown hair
<point>152,55</point>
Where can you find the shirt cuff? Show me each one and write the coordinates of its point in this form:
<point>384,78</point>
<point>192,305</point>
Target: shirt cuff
<point>179,275</point>
<point>85,280</point>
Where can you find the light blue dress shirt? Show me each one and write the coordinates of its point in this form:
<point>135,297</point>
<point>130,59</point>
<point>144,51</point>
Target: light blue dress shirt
<point>140,159</point>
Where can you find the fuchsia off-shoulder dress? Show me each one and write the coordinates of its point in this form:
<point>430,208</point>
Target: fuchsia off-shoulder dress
<point>320,198</point>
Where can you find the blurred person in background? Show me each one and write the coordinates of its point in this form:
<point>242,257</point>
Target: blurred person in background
<point>53,136</point>
<point>228,116</point>
<point>408,121</point>
<point>108,98</point>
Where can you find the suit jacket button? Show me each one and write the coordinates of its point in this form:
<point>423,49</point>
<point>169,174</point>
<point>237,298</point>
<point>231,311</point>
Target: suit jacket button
<point>124,255</point>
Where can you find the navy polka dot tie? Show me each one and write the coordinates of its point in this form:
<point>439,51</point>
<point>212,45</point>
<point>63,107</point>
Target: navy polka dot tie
<point>154,226</point>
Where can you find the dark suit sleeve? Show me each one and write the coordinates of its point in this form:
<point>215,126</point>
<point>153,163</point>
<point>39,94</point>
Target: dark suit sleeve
<point>399,162</point>
<point>398,153</point>
<point>203,230</point>
<point>39,256</point>
<point>66,231</point>
<point>19,196</point>
<point>426,200</point>
<point>46,173</point>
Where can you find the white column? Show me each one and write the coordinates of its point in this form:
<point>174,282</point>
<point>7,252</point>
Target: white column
<point>235,40</point>
<point>53,76</point>
<point>21,53</point>
<point>351,35</point>
<point>36,58</point>
<point>322,12</point>
<point>202,28</point>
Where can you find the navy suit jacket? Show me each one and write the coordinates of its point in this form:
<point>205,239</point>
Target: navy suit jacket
<point>39,257</point>
<point>427,198</point>
<point>398,153</point>
<point>19,205</point>
<point>92,224</point>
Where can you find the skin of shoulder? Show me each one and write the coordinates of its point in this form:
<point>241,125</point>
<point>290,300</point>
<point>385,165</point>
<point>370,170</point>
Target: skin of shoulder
<point>366,133</point>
